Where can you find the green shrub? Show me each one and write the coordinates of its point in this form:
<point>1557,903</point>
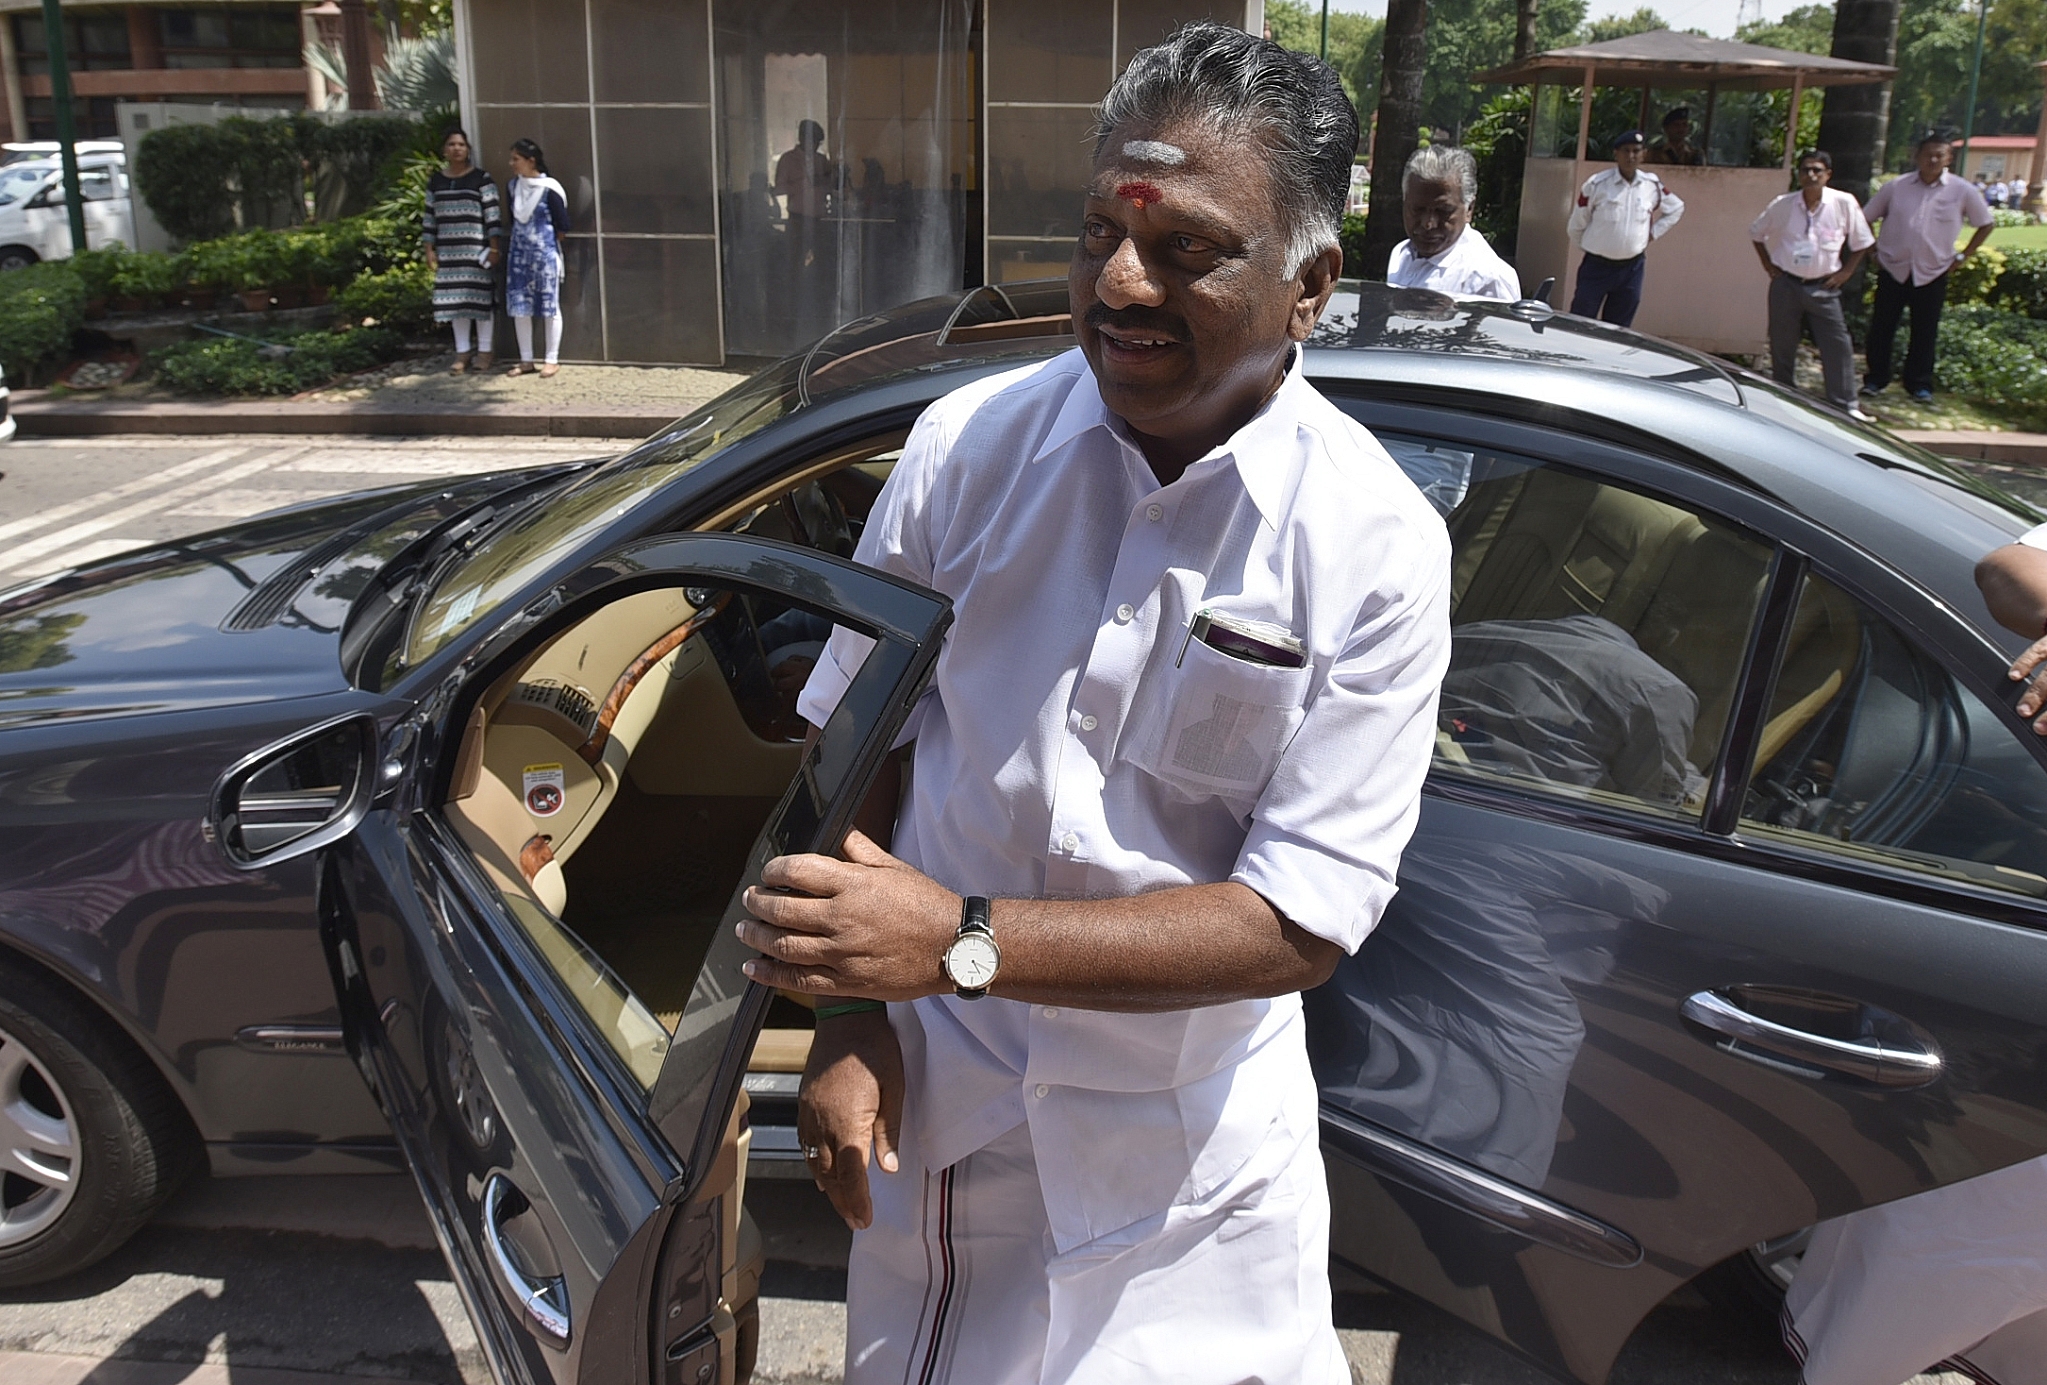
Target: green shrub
<point>151,275</point>
<point>41,307</point>
<point>400,298</point>
<point>1973,279</point>
<point>1352,239</point>
<point>231,365</point>
<point>2022,287</point>
<point>1992,356</point>
<point>97,270</point>
<point>2009,216</point>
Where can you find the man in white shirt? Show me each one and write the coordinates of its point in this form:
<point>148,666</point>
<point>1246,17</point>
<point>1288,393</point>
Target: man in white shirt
<point>1178,731</point>
<point>1443,250</point>
<point>1921,215</point>
<point>1800,238</point>
<point>1620,210</point>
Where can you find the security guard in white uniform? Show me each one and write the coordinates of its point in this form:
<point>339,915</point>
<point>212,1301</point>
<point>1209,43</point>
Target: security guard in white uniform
<point>1620,210</point>
<point>1177,735</point>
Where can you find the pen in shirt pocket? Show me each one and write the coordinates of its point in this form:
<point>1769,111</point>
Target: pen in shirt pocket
<point>1249,641</point>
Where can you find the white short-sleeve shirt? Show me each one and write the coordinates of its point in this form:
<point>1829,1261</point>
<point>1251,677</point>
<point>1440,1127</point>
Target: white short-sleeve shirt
<point>1467,267</point>
<point>1076,743</point>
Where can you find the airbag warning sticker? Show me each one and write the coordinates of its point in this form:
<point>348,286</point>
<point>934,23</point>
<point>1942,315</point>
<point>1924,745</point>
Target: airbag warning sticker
<point>543,788</point>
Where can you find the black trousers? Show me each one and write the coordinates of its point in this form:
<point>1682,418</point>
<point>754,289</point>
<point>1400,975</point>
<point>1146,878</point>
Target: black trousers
<point>1893,298</point>
<point>1608,289</point>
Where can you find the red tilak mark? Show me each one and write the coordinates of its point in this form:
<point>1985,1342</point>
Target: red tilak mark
<point>1140,193</point>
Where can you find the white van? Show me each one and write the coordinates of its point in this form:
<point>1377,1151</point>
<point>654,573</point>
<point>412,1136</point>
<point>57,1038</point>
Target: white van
<point>33,223</point>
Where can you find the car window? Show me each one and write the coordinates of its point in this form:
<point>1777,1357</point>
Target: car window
<point>96,184</point>
<point>1872,749</point>
<point>17,183</point>
<point>1597,631</point>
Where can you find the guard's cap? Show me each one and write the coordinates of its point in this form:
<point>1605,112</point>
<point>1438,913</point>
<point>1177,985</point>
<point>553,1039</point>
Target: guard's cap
<point>1677,113</point>
<point>1631,137</point>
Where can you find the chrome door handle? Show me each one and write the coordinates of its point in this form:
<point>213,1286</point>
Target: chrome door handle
<point>1868,1060</point>
<point>545,1301</point>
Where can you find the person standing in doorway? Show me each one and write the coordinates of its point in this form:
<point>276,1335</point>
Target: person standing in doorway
<point>804,176</point>
<point>1443,250</point>
<point>463,233</point>
<point>533,277</point>
<point>1161,782</point>
<point>1800,238</point>
<point>1620,210</point>
<point>1920,216</point>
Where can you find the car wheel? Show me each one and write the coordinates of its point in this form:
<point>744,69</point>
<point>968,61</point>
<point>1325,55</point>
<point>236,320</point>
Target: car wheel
<point>91,1141</point>
<point>16,257</point>
<point>1754,1282</point>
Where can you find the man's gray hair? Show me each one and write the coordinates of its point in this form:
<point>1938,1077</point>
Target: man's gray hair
<point>1236,83</point>
<point>1442,163</point>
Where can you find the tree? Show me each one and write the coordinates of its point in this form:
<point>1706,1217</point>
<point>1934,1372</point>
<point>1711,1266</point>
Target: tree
<point>1855,118</point>
<point>1525,12</point>
<point>1353,43</point>
<point>1642,21</point>
<point>1467,36</point>
<point>1807,29</point>
<point>1936,39</point>
<point>1403,66</point>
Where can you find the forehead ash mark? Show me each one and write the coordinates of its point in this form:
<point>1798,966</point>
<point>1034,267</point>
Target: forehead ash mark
<point>1152,151</point>
<point>1139,194</point>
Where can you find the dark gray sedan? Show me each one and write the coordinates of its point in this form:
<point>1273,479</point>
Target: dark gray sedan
<point>403,830</point>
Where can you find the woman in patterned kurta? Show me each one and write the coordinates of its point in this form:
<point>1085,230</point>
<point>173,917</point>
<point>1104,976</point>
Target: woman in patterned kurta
<point>464,235</point>
<point>533,274</point>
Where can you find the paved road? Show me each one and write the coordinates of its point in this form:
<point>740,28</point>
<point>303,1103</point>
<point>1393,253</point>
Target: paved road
<point>263,1281</point>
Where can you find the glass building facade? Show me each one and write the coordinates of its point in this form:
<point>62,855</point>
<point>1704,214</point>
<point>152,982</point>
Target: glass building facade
<point>743,175</point>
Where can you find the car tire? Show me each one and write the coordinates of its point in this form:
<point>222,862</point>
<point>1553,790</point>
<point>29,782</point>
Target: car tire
<point>1753,1284</point>
<point>16,257</point>
<point>103,1139</point>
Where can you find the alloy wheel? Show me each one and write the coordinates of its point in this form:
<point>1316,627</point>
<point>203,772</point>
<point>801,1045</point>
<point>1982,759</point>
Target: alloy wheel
<point>39,1145</point>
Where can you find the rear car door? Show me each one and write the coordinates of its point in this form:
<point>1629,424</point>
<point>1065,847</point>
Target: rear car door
<point>527,891</point>
<point>1723,916</point>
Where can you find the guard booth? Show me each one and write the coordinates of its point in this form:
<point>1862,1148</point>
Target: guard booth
<point>1703,287</point>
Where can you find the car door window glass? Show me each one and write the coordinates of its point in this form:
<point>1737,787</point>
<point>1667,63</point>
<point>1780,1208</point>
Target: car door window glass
<point>1872,749</point>
<point>1597,631</point>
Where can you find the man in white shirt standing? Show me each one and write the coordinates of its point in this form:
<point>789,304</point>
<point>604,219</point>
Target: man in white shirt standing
<point>1620,210</point>
<point>1800,238</point>
<point>1443,250</point>
<point>1177,733</point>
<point>1921,215</point>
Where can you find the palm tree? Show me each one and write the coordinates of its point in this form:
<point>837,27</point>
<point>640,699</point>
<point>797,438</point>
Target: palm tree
<point>1855,120</point>
<point>1402,65</point>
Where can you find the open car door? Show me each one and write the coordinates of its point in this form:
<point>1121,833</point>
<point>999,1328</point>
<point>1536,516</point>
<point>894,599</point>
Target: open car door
<point>529,919</point>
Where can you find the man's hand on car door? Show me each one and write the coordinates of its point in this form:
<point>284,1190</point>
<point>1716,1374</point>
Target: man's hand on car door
<point>852,1098</point>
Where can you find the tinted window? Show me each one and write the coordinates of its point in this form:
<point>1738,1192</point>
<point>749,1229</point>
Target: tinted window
<point>1597,631</point>
<point>1871,748</point>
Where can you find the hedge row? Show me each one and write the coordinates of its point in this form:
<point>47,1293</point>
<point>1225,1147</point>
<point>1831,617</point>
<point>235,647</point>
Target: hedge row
<point>230,366</point>
<point>204,181</point>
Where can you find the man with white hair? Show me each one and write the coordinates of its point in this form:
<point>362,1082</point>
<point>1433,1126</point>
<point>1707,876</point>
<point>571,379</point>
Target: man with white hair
<point>1163,775</point>
<point>1443,250</point>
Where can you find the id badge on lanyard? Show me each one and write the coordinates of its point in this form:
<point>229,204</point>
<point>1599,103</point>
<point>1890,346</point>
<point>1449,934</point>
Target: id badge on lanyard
<point>1806,253</point>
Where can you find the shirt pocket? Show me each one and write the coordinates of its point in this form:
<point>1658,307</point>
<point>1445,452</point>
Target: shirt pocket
<point>1216,725</point>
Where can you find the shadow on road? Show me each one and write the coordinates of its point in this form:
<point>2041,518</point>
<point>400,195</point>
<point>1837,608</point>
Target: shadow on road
<point>254,1299</point>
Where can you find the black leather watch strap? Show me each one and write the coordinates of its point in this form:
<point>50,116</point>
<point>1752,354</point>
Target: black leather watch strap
<point>975,915</point>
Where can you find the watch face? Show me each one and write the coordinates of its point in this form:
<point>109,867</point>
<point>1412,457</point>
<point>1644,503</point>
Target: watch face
<point>971,961</point>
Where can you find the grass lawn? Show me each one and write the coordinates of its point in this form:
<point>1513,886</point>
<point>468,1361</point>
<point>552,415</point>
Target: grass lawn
<point>1894,410</point>
<point>2019,237</point>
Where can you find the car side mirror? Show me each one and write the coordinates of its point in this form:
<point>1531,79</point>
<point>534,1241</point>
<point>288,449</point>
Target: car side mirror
<point>296,796</point>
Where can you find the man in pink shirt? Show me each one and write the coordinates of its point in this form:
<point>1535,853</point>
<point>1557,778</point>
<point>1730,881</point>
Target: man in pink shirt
<point>1922,214</point>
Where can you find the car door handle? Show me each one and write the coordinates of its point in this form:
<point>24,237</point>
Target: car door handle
<point>545,1301</point>
<point>1896,1063</point>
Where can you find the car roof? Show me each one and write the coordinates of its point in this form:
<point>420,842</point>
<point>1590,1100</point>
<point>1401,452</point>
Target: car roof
<point>1920,514</point>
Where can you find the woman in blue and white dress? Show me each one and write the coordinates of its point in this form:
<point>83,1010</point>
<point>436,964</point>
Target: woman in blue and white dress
<point>533,270</point>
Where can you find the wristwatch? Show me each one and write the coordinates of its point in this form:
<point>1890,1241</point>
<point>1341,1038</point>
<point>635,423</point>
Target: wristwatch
<point>971,961</point>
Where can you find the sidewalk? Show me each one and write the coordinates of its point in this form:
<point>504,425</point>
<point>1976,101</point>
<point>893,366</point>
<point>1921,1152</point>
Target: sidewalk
<point>409,397</point>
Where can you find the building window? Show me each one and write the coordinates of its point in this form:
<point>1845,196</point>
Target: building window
<point>240,37</point>
<point>93,117</point>
<point>92,42</point>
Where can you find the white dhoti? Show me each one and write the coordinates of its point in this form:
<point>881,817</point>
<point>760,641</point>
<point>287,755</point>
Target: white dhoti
<point>958,1280</point>
<point>1955,1277</point>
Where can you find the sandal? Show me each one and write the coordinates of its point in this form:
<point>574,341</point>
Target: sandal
<point>460,367</point>
<point>547,372</point>
<point>486,359</point>
<point>522,368</point>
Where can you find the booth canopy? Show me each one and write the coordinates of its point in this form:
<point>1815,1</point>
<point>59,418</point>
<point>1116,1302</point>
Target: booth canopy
<point>1665,59</point>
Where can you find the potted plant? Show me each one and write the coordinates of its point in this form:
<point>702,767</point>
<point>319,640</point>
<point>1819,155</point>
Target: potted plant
<point>145,281</point>
<point>255,269</point>
<point>96,271</point>
<point>209,270</point>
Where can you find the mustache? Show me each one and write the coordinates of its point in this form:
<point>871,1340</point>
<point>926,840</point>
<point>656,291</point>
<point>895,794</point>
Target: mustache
<point>1136,321</point>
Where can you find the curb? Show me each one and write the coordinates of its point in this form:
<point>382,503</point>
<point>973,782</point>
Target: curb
<point>42,418</point>
<point>2023,449</point>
